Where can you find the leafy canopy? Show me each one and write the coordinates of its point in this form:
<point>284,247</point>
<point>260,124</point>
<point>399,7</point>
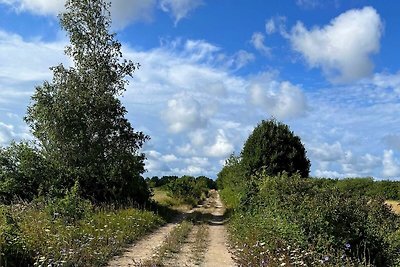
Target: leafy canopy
<point>77,117</point>
<point>274,148</point>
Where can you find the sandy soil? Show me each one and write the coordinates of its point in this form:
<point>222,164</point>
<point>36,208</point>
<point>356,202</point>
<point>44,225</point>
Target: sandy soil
<point>216,254</point>
<point>143,249</point>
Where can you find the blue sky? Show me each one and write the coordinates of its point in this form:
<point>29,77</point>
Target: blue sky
<point>212,69</point>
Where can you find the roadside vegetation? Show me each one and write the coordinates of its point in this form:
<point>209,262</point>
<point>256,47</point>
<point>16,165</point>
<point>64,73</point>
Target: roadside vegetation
<point>173,191</point>
<point>284,218</point>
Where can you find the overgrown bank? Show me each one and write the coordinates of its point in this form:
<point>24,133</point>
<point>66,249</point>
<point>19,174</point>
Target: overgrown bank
<point>288,219</point>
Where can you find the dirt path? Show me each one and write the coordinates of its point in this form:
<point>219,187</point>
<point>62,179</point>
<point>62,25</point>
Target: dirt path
<point>144,248</point>
<point>217,253</point>
<point>186,255</point>
<point>211,251</point>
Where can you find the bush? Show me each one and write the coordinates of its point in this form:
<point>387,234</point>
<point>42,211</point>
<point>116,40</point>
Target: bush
<point>317,218</point>
<point>275,149</point>
<point>23,171</point>
<point>71,207</point>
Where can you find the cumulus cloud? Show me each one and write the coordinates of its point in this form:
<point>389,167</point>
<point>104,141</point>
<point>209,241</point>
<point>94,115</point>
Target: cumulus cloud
<point>123,12</point>
<point>391,167</point>
<point>343,48</point>
<point>184,113</point>
<point>280,99</point>
<point>221,147</point>
<point>327,152</point>
<point>9,132</point>
<point>41,7</point>
<point>179,9</point>
<point>258,41</point>
<point>14,50</point>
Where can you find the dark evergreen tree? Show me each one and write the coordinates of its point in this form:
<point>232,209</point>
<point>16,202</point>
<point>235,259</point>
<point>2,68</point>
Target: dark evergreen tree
<point>274,148</point>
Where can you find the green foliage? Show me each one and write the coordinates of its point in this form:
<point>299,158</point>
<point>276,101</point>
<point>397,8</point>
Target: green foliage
<point>231,181</point>
<point>314,220</point>
<point>272,147</point>
<point>23,172</point>
<point>30,235</point>
<point>12,249</point>
<point>71,207</point>
<point>189,189</point>
<point>78,117</point>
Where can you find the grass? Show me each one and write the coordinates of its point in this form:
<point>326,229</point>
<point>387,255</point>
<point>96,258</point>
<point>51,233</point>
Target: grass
<point>394,205</point>
<point>200,243</point>
<point>172,244</point>
<point>31,236</point>
<point>164,198</point>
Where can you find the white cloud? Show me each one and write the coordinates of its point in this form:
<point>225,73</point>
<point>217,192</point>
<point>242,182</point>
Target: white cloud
<point>308,3</point>
<point>386,80</point>
<point>221,148</point>
<point>41,7</point>
<point>179,9</point>
<point>391,167</point>
<point>184,113</point>
<point>341,49</point>
<point>270,27</point>
<point>280,99</point>
<point>327,152</point>
<point>392,141</point>
<point>257,40</point>
<point>328,174</point>
<point>123,12</point>
<point>242,58</point>
<point>169,158</point>
<point>14,52</point>
<point>8,133</point>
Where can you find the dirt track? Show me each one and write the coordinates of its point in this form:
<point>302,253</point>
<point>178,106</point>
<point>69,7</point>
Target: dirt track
<point>216,254</point>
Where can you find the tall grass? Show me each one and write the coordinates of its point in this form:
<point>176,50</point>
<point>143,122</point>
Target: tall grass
<point>292,221</point>
<point>30,235</point>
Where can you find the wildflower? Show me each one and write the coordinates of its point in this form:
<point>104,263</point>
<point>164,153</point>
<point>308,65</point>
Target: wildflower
<point>347,246</point>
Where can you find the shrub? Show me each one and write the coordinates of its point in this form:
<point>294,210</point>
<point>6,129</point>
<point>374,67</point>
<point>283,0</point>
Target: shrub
<point>71,207</point>
<point>275,149</point>
<point>23,171</point>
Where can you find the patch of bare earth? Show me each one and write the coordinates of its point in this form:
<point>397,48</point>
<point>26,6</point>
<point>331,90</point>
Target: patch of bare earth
<point>205,245</point>
<point>144,248</point>
<point>217,254</point>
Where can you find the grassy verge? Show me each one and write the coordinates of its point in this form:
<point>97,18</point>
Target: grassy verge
<point>29,235</point>
<point>165,199</point>
<point>172,244</point>
<point>200,243</point>
<point>289,221</point>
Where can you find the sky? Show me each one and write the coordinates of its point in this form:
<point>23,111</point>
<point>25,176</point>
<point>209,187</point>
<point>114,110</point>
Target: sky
<point>211,70</point>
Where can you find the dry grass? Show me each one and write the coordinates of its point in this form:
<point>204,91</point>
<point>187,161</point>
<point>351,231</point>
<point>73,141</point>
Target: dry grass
<point>395,205</point>
<point>172,244</point>
<point>162,197</point>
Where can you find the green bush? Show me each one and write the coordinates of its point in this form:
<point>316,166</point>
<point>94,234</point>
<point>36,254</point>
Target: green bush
<point>23,172</point>
<point>275,149</point>
<point>71,207</point>
<point>317,218</point>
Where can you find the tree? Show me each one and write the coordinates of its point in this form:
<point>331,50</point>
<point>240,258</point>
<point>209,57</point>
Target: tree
<point>275,149</point>
<point>78,119</point>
